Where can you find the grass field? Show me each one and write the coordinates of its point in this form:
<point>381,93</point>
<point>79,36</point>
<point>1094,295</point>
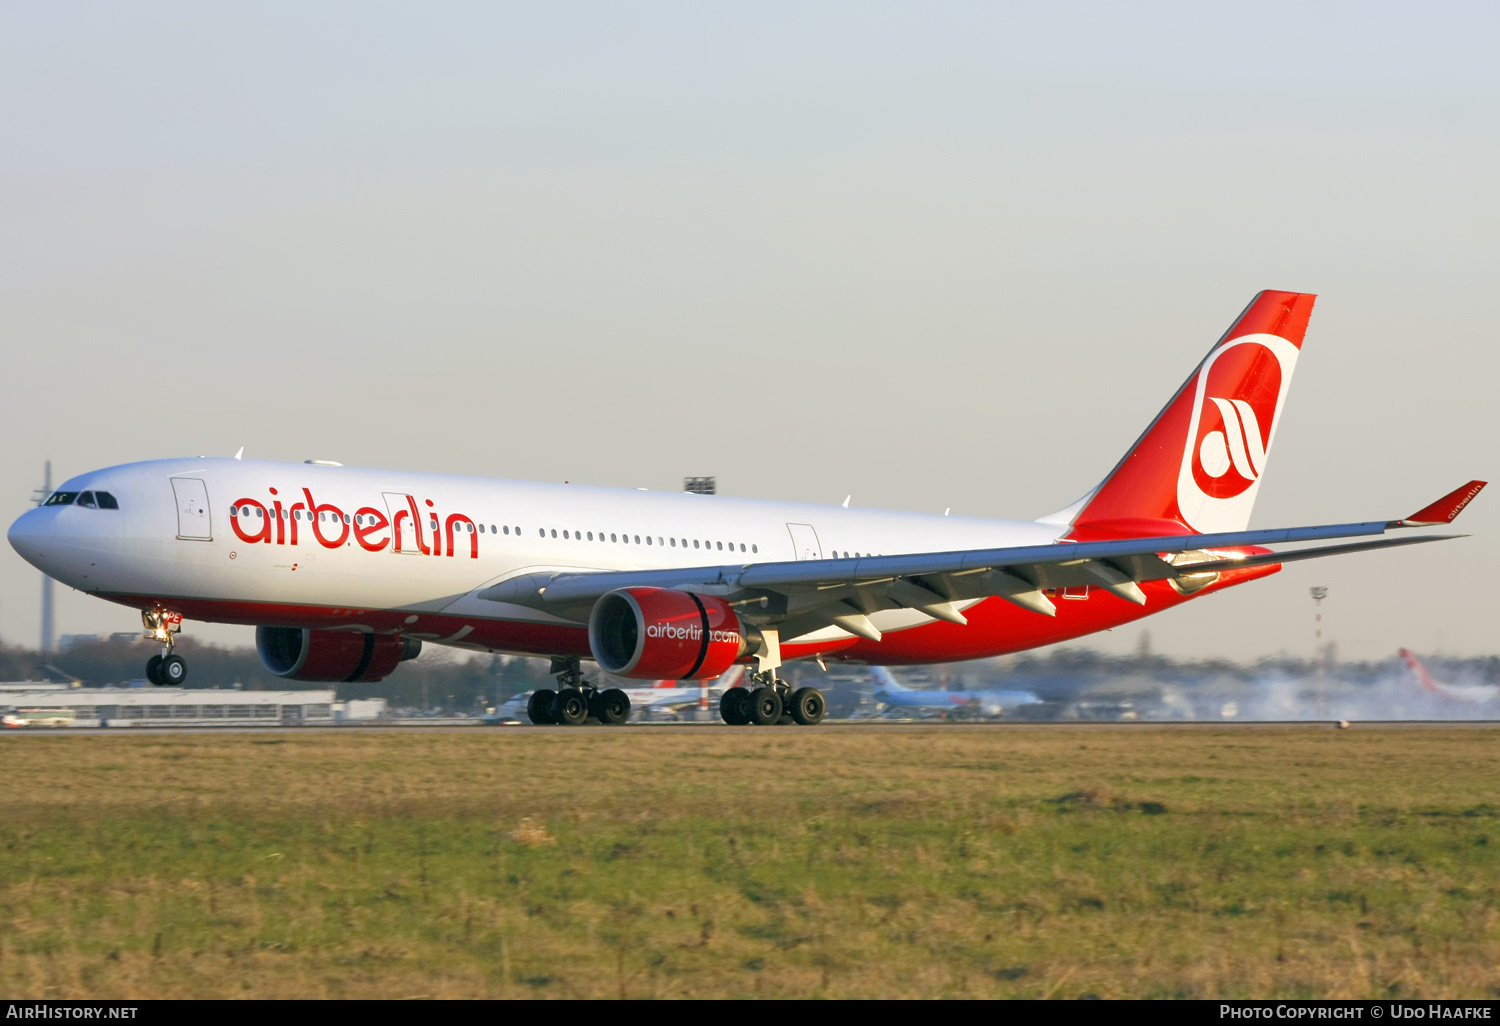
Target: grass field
<point>1029,861</point>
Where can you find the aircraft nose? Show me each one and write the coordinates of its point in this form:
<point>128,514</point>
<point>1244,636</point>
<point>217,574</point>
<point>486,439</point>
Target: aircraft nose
<point>28,536</point>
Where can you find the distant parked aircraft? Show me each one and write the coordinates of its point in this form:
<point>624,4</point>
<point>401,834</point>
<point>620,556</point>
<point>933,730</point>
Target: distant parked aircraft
<point>975,703</point>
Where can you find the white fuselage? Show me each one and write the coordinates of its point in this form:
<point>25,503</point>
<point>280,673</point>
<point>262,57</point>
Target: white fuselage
<point>173,541</point>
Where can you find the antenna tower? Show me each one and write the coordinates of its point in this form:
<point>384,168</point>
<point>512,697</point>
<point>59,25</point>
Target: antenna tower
<point>48,634</point>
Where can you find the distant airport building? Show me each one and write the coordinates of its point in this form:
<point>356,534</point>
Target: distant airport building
<point>68,642</point>
<point>359,710</point>
<point>159,707</point>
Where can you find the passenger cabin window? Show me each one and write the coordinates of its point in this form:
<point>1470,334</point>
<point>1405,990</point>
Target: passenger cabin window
<point>61,499</point>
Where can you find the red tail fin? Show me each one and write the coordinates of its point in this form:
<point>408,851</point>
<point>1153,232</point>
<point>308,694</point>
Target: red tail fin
<point>1420,672</point>
<point>1198,466</point>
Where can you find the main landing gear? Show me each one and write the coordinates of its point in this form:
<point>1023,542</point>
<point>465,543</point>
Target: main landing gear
<point>770,700</point>
<point>576,701</point>
<point>767,699</point>
<point>165,670</point>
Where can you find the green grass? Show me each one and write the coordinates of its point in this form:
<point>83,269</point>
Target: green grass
<point>1046,861</point>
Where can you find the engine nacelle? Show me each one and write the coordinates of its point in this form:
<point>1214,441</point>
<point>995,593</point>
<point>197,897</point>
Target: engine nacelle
<point>343,656</point>
<point>656,634</point>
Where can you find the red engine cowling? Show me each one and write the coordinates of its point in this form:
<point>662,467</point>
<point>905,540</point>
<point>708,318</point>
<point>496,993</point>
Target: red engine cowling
<point>656,634</point>
<point>347,656</point>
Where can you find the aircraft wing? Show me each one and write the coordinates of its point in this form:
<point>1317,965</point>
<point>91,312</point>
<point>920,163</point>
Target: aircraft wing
<point>799,597</point>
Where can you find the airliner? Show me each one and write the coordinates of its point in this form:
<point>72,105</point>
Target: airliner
<point>980,702</point>
<point>347,572</point>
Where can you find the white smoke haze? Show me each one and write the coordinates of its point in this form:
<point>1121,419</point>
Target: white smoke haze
<point>1279,696</point>
<point>1083,685</point>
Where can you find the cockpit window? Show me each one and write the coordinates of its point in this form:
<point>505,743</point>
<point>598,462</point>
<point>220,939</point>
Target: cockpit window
<point>106,500</point>
<point>87,500</point>
<point>60,499</point>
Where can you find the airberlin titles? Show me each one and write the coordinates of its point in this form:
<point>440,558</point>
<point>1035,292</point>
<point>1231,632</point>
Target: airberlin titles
<point>692,632</point>
<point>409,531</point>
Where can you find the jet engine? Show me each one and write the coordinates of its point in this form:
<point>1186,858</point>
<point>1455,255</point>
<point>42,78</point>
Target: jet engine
<point>348,656</point>
<point>657,634</point>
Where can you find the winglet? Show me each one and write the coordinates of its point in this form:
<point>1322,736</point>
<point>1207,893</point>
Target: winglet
<point>1446,509</point>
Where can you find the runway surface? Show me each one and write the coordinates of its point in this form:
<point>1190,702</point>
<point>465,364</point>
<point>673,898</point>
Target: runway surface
<point>840,726</point>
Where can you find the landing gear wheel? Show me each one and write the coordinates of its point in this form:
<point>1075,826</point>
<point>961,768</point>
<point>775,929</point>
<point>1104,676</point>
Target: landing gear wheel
<point>808,706</point>
<point>153,671</point>
<point>614,707</point>
<point>571,708</point>
<point>734,707</point>
<point>173,671</point>
<point>541,707</point>
<point>765,707</point>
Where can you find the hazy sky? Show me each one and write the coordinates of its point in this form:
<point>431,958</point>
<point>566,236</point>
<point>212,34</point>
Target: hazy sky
<point>930,254</point>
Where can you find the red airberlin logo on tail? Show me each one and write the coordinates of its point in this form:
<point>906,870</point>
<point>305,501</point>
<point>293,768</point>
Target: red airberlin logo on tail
<point>1234,421</point>
<point>1237,397</point>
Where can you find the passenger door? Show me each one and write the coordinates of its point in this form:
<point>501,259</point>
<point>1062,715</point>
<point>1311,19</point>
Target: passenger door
<point>192,509</point>
<point>396,503</point>
<point>805,541</point>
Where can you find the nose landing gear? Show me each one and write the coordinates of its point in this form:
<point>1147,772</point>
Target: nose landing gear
<point>165,670</point>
